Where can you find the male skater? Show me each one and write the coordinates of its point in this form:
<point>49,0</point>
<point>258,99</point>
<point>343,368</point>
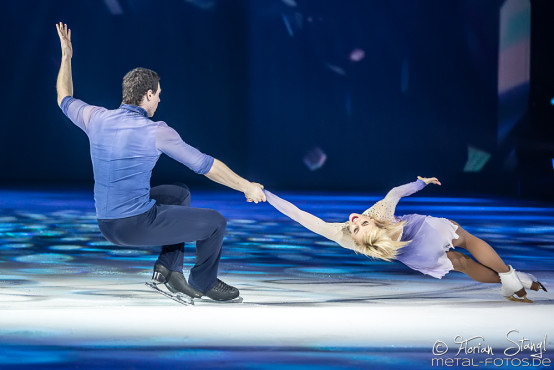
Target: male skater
<point>125,144</point>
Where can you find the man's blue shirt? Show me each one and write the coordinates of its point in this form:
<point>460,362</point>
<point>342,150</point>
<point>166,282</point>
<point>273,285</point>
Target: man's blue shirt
<point>124,147</point>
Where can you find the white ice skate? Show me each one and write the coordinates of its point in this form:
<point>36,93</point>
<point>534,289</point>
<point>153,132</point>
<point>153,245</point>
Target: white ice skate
<point>529,281</point>
<point>512,287</point>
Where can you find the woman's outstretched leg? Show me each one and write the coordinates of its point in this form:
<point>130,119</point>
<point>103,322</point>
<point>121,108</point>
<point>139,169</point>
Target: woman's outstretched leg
<point>487,256</point>
<point>471,268</point>
<point>479,249</point>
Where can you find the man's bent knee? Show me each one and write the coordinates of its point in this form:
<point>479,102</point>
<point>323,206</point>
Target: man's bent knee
<point>218,220</point>
<point>185,189</point>
<point>182,193</point>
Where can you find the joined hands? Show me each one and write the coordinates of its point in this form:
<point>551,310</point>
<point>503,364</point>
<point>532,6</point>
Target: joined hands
<point>255,193</point>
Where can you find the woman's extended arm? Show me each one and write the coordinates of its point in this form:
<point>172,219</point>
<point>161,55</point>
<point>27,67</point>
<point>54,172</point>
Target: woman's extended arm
<point>309,221</point>
<point>384,209</point>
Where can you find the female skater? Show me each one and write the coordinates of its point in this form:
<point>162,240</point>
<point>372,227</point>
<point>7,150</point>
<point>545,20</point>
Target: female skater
<point>422,243</point>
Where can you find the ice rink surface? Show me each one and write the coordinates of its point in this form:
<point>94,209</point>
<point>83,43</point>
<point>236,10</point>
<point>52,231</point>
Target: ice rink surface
<point>69,299</point>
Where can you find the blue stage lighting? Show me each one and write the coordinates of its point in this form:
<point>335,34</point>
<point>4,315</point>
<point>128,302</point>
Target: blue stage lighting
<point>552,101</point>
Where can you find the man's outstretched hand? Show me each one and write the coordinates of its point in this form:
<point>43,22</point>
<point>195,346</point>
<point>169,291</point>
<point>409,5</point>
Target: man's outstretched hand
<point>65,40</point>
<point>255,193</point>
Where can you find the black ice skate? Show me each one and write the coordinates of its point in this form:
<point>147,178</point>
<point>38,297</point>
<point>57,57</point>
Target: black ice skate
<point>222,292</point>
<point>180,291</point>
<point>175,282</point>
<point>161,273</point>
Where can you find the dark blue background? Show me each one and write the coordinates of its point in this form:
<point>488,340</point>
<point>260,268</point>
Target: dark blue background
<point>241,86</point>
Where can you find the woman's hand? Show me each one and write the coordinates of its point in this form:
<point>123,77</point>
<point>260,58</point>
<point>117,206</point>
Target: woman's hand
<point>429,180</point>
<point>255,193</point>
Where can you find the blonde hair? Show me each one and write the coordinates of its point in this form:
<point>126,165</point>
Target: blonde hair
<point>378,242</point>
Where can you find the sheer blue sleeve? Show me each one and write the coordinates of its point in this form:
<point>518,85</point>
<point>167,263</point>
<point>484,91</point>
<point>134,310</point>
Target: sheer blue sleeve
<point>329,230</point>
<point>405,190</point>
<point>384,209</point>
<point>169,142</point>
<point>79,112</point>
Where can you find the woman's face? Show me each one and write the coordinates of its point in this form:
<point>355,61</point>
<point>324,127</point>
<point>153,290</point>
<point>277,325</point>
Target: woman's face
<point>359,226</point>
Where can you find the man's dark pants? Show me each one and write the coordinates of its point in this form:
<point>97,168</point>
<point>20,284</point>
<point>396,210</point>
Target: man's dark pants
<point>171,222</point>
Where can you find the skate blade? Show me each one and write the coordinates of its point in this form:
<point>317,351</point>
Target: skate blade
<point>182,299</point>
<point>515,299</point>
<point>235,300</point>
<point>537,285</point>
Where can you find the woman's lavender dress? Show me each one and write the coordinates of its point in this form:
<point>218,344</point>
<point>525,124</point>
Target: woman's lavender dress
<point>431,238</point>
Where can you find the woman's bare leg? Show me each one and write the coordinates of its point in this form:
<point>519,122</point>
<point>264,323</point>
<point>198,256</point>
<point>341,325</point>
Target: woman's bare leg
<point>479,249</point>
<point>471,268</point>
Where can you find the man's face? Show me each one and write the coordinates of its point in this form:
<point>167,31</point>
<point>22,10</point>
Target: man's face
<point>152,101</point>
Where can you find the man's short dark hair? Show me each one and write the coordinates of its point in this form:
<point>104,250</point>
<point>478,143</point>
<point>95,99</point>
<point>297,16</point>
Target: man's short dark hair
<point>137,82</point>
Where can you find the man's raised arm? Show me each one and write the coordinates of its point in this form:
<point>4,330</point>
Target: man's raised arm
<point>64,84</point>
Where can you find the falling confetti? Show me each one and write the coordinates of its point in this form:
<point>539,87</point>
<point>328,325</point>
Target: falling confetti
<point>290,3</point>
<point>357,55</point>
<point>113,7</point>
<point>336,69</point>
<point>476,159</point>
<point>287,25</point>
<point>315,158</point>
